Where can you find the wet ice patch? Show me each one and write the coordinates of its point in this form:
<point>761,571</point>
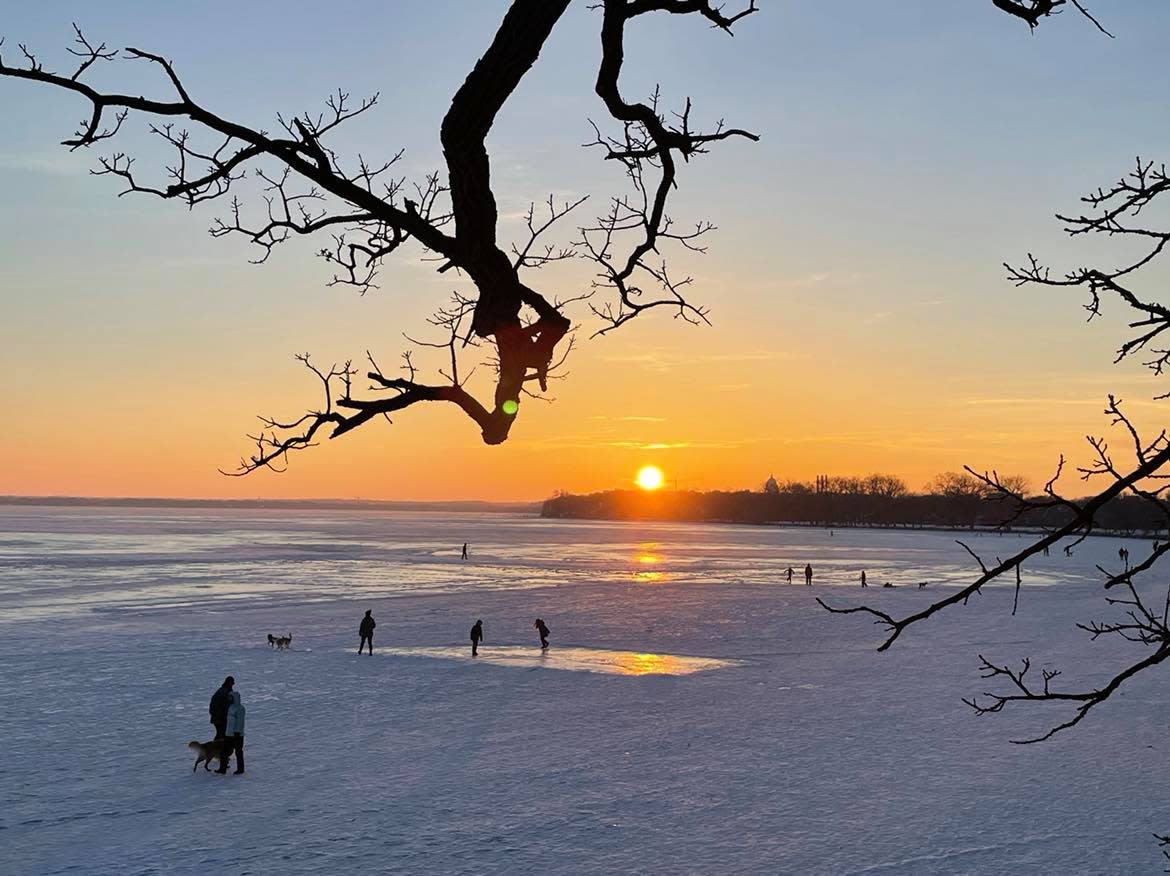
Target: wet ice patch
<point>574,659</point>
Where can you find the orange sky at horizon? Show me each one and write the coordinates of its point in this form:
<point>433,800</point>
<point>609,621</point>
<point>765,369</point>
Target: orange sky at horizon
<point>720,416</point>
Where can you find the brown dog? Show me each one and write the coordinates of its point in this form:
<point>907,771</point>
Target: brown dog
<point>207,752</point>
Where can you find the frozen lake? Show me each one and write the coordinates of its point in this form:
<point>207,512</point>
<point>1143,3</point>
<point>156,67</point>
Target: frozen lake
<point>796,749</point>
<point>58,561</point>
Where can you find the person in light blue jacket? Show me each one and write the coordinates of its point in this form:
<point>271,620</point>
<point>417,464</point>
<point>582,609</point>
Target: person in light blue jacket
<point>233,735</point>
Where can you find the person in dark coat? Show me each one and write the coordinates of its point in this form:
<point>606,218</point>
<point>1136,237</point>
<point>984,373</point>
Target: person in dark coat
<point>808,574</point>
<point>542,628</point>
<point>366,631</point>
<point>476,637</point>
<point>465,550</point>
<point>220,700</point>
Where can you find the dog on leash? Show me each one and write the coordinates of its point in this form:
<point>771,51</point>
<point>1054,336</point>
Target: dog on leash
<point>206,752</point>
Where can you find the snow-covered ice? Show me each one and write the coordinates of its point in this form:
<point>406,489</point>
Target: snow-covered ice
<point>808,753</point>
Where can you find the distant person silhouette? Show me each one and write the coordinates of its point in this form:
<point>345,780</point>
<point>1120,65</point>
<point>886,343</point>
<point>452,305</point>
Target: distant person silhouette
<point>789,574</point>
<point>540,626</point>
<point>464,551</point>
<point>808,574</point>
<point>476,637</point>
<point>366,631</point>
<point>863,584</point>
<point>218,708</point>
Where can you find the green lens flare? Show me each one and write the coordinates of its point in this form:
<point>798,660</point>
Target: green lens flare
<point>510,407</point>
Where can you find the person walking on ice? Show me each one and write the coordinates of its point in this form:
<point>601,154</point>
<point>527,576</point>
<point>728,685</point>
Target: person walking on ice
<point>464,551</point>
<point>218,708</point>
<point>789,573</point>
<point>366,631</point>
<point>234,736</point>
<point>476,637</point>
<point>808,574</point>
<point>540,626</point>
<point>863,584</point>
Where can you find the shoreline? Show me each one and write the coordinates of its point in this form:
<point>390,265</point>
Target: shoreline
<point>1147,535</point>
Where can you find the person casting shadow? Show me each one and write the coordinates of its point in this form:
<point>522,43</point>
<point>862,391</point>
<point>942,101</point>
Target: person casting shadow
<point>366,631</point>
<point>542,628</point>
<point>476,637</point>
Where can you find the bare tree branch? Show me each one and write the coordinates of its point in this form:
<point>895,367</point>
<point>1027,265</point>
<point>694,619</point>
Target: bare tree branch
<point>647,146</point>
<point>1116,211</point>
<point>1032,11</point>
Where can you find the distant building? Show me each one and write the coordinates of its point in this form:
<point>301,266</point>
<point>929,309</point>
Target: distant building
<point>770,486</point>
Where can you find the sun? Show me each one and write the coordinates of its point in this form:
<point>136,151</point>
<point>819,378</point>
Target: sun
<point>650,477</point>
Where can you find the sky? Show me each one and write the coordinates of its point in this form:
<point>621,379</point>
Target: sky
<point>861,320</point>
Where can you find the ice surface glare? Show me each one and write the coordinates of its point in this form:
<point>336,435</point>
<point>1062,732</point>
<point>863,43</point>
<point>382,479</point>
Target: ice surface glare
<point>577,659</point>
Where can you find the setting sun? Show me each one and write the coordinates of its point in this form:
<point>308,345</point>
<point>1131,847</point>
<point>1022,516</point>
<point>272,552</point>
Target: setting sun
<point>650,477</point>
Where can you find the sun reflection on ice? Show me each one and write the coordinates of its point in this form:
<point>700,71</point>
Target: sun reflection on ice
<point>574,659</point>
<point>649,664</point>
<point>648,556</point>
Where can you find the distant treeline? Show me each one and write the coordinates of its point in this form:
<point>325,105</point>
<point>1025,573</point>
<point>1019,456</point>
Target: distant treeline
<point>952,500</point>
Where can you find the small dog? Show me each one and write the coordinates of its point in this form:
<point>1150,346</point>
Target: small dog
<point>206,752</point>
<point>281,643</point>
<point>921,585</point>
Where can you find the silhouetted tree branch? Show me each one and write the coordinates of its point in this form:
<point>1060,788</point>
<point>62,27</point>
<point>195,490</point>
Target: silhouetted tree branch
<point>371,213</point>
<point>1116,211</point>
<point>1164,841</point>
<point>1032,11</point>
